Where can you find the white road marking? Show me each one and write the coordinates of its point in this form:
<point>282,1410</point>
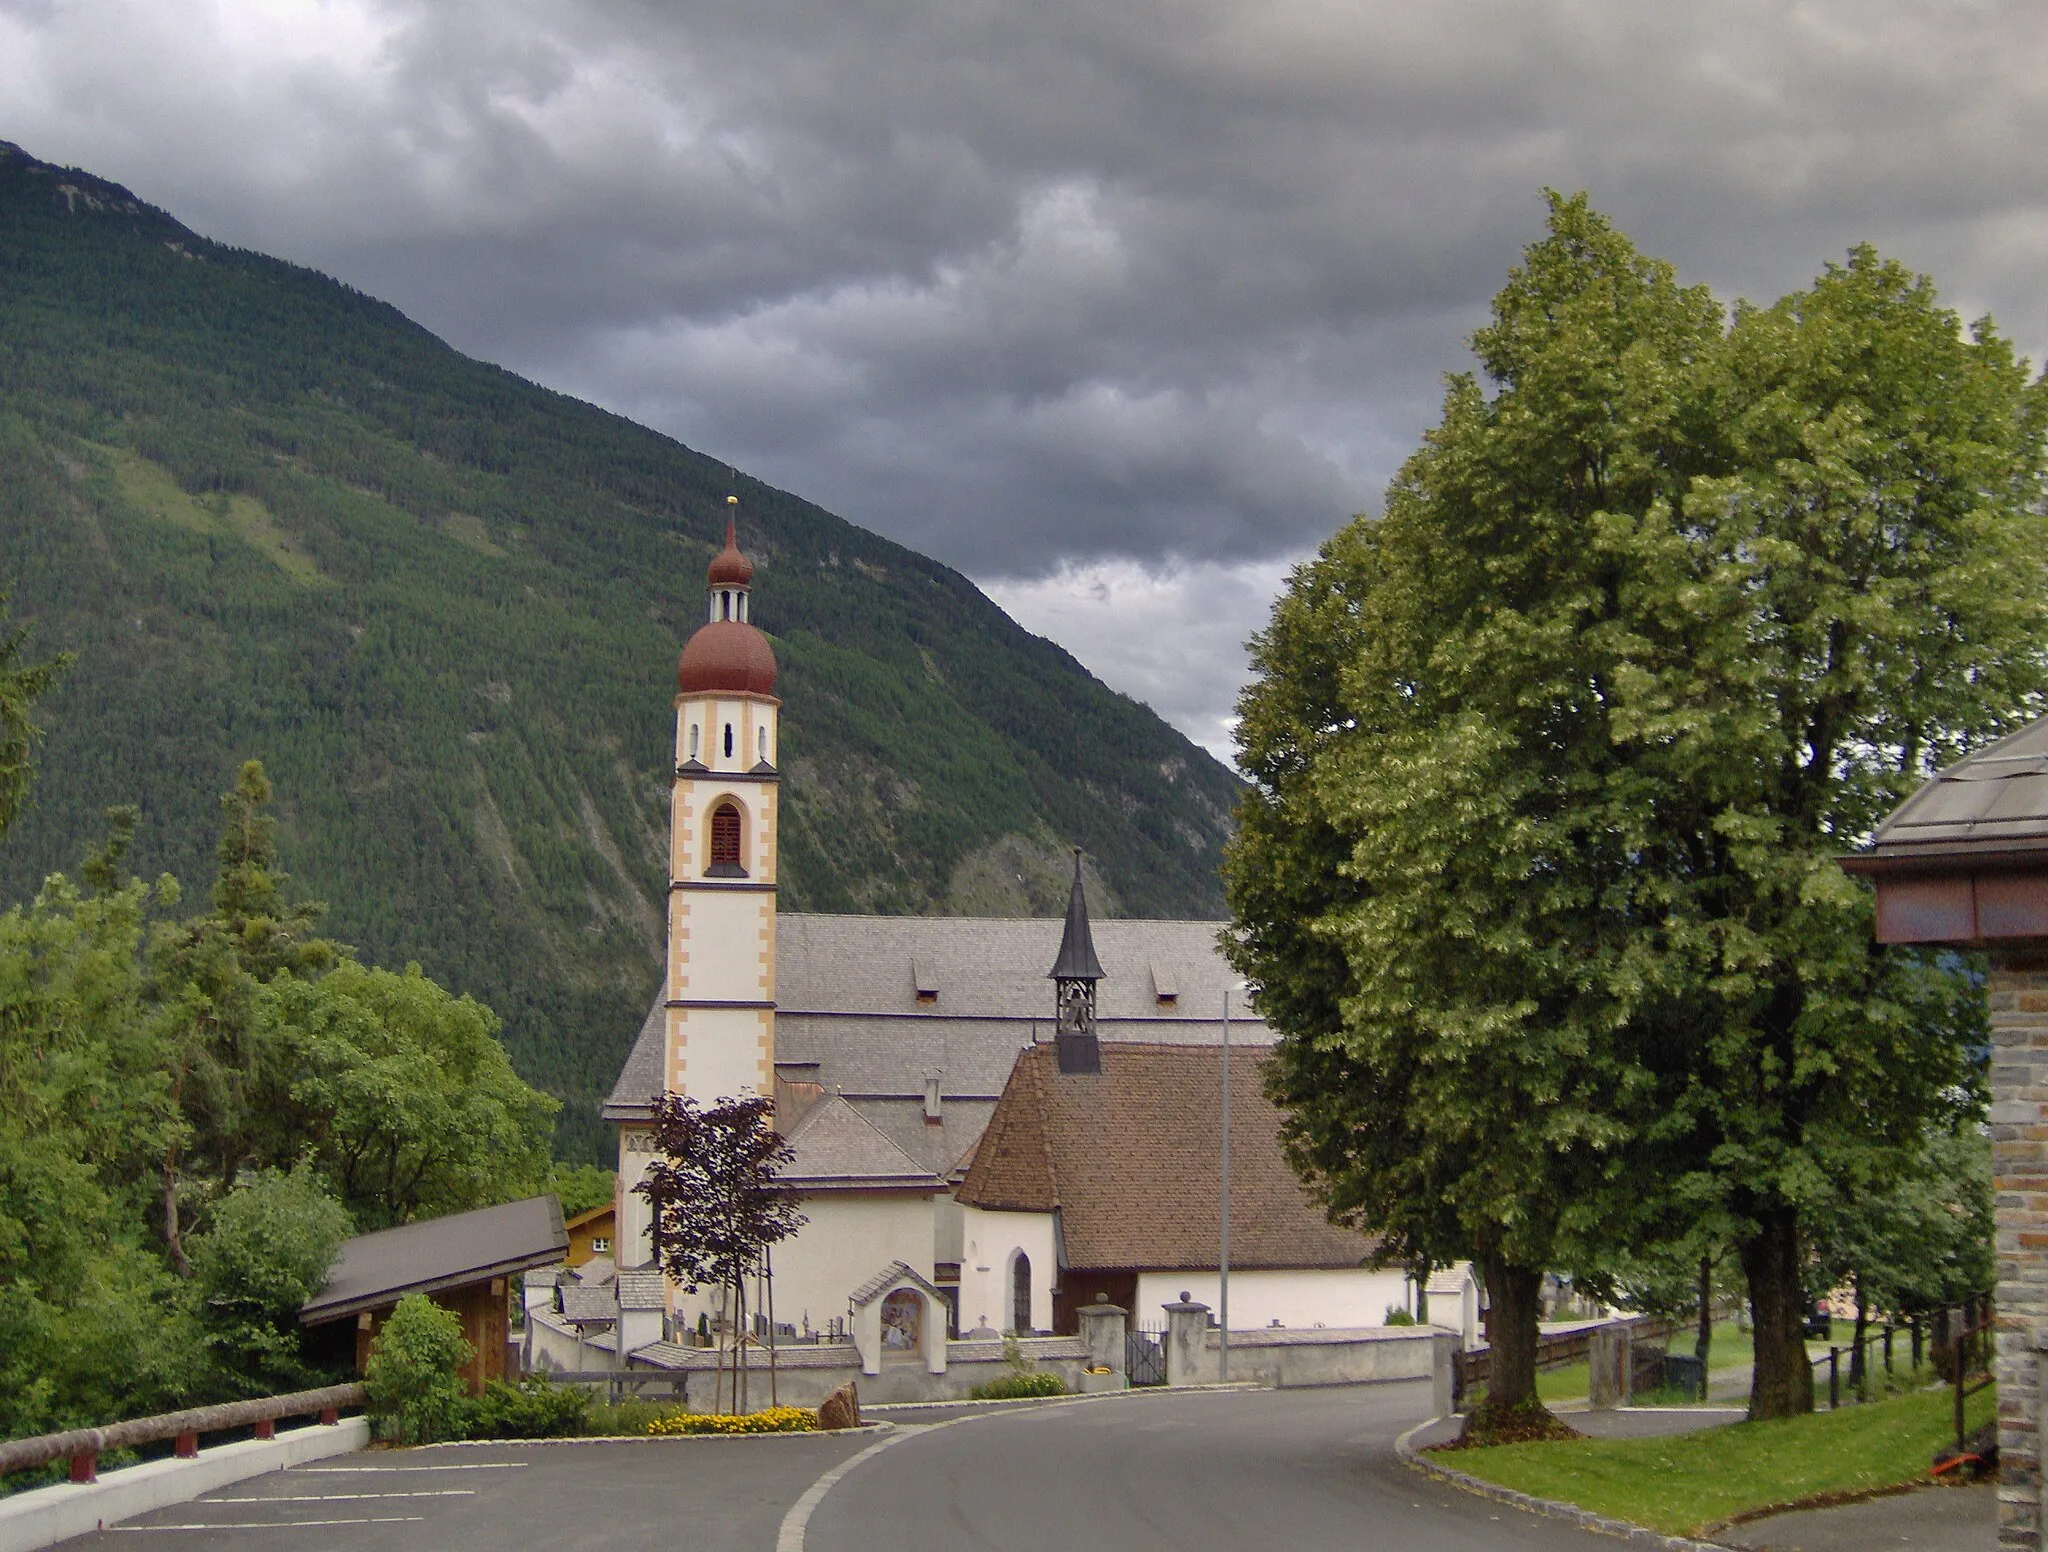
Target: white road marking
<point>474,1465</point>
<point>387,1519</point>
<point>425,1492</point>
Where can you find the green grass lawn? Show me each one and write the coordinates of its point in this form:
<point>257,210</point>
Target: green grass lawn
<point>1684,1484</point>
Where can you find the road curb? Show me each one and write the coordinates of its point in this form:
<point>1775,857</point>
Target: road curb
<point>1549,1508</point>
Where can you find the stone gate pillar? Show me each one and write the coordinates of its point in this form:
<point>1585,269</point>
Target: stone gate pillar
<point>1964,861</point>
<point>1187,1343</point>
<point>1102,1332</point>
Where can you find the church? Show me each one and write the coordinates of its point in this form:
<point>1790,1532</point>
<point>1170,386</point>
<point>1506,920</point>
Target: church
<point>890,1044</point>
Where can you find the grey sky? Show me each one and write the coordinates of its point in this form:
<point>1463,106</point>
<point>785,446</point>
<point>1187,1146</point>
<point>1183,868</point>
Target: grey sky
<point>1118,308</point>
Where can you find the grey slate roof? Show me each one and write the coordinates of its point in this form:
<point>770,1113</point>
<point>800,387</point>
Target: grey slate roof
<point>586,1306</point>
<point>848,1015</point>
<point>642,1290</point>
<point>1995,799</point>
<point>895,1274</point>
<point>374,1270</point>
<point>836,1146</point>
<point>641,1078</point>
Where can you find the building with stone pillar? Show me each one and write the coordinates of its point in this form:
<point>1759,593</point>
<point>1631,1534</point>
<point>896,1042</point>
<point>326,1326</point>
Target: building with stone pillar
<point>1964,862</point>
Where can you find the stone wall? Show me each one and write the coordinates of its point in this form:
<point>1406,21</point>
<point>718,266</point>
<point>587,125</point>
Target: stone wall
<point>2019,1143</point>
<point>1287,1357</point>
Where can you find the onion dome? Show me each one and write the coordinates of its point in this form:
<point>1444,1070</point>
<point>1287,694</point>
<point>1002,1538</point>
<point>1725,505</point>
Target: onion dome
<point>729,568</point>
<point>727,655</point>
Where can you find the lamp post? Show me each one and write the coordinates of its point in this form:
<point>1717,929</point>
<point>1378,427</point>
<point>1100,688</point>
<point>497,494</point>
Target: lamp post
<point>1223,1204</point>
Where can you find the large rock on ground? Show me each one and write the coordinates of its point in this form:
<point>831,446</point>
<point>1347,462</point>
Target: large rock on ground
<point>841,1409</point>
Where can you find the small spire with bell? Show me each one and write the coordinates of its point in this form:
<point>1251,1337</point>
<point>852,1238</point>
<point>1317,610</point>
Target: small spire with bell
<point>1074,974</point>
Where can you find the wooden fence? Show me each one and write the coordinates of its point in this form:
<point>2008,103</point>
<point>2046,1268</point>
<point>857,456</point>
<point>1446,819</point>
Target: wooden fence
<point>1559,1350</point>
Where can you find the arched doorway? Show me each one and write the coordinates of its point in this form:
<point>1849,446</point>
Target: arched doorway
<point>1020,1294</point>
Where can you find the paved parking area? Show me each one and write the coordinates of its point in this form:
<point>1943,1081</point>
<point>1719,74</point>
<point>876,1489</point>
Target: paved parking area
<point>623,1494</point>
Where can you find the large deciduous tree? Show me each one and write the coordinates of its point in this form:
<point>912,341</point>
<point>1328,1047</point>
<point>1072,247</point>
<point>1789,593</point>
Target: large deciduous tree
<point>1858,597</point>
<point>1438,881</point>
<point>1551,760</point>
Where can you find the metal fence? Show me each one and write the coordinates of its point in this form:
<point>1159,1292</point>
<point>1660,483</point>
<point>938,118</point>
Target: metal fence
<point>1145,1355</point>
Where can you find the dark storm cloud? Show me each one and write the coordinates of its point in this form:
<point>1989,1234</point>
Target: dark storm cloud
<point>1038,287</point>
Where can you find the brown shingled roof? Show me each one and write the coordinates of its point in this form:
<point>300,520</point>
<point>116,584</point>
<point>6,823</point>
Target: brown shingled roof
<point>1129,1159</point>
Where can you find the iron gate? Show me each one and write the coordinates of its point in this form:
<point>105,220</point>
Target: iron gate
<point>1145,1355</point>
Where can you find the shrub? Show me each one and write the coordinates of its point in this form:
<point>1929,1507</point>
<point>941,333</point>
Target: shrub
<point>1396,1316</point>
<point>534,1408</point>
<point>272,1240</point>
<point>1012,1387</point>
<point>415,1394</point>
<point>785,1419</point>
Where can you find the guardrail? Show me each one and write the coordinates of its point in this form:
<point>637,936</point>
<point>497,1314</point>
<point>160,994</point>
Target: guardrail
<point>84,1446</point>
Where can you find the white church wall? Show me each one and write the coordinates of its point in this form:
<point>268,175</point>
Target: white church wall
<point>850,1237</point>
<point>633,1243</point>
<point>992,1241</point>
<point>1338,1297</point>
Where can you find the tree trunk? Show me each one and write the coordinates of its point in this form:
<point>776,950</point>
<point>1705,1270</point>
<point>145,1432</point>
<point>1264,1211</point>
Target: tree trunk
<point>1859,1371</point>
<point>1782,1383</point>
<point>1703,1342</point>
<point>1514,1301</point>
<point>174,1238</point>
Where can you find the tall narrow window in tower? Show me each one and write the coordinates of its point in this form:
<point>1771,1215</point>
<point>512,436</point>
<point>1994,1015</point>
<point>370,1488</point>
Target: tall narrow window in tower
<point>725,843</point>
<point>761,738</point>
<point>693,740</point>
<point>728,740</point>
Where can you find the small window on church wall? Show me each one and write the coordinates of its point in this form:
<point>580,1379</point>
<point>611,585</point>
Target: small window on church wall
<point>725,842</point>
<point>693,740</point>
<point>728,740</point>
<point>761,738</point>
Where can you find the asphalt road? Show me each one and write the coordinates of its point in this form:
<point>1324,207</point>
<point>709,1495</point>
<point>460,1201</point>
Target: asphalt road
<point>1231,1471</point>
<point>656,1494</point>
<point>1236,1470</point>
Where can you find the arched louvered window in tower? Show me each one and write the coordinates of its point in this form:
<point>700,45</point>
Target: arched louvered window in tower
<point>725,842</point>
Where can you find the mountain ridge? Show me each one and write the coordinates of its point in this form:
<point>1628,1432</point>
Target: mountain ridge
<point>275,517</point>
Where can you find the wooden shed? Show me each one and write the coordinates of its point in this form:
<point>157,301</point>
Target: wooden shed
<point>464,1262</point>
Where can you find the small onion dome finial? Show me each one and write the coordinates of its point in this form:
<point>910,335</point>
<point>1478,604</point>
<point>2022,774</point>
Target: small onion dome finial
<point>729,568</point>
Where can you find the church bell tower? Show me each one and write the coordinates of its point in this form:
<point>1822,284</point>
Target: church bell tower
<point>722,837</point>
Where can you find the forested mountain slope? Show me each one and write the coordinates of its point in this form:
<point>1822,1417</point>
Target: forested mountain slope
<point>275,519</point>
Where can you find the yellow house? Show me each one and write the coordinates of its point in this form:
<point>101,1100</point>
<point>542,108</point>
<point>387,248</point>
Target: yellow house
<point>590,1233</point>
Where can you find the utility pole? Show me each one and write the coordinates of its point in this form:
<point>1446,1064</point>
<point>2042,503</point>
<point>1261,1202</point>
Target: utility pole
<point>1223,1227</point>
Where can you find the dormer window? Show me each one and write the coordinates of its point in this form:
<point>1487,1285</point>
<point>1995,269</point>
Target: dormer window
<point>725,843</point>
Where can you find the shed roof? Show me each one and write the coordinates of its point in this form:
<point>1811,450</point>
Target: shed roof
<point>1995,800</point>
<point>1129,1158</point>
<point>374,1270</point>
